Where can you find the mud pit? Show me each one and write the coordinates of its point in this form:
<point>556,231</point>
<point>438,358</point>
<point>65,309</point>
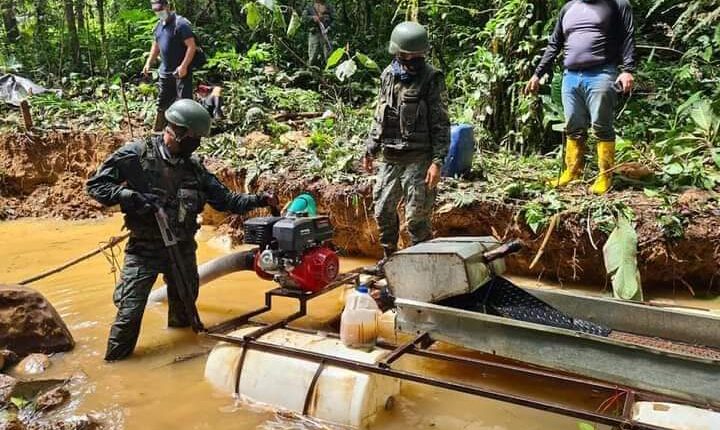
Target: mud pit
<point>45,176</point>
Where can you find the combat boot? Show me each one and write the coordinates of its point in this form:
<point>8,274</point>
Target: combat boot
<point>574,162</point>
<point>379,268</point>
<point>606,162</point>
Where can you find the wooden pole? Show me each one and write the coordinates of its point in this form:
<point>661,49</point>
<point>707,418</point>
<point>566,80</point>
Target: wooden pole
<point>27,117</point>
<point>127,110</point>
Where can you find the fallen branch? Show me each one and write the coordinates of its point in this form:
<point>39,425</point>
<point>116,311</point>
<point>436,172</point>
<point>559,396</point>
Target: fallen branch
<point>284,116</point>
<point>112,242</point>
<point>550,230</point>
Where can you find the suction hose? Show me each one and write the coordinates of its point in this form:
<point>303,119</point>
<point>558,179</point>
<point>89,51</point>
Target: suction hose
<point>213,269</point>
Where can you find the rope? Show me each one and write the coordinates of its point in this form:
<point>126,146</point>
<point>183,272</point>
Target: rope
<point>112,242</point>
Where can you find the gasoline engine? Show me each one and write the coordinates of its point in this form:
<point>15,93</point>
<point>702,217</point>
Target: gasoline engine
<point>294,251</point>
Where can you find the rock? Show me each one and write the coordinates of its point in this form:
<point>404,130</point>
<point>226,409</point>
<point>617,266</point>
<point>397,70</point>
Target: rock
<point>7,385</point>
<point>82,422</point>
<point>29,323</point>
<point>52,399</point>
<point>633,170</point>
<point>33,364</point>
<point>8,358</point>
<point>12,424</point>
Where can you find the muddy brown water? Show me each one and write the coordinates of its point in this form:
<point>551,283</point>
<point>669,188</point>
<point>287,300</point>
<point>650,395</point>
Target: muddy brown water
<point>152,391</point>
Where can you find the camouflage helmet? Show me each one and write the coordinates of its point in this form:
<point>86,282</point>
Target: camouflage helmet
<point>191,115</point>
<point>408,37</point>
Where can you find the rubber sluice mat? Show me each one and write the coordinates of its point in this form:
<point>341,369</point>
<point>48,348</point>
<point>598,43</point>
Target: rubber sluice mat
<point>503,298</point>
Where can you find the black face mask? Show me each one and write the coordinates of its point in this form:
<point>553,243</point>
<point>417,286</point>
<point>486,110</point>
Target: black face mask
<point>413,65</point>
<point>188,145</point>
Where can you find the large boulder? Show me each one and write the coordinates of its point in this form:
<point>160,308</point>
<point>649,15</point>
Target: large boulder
<point>29,323</point>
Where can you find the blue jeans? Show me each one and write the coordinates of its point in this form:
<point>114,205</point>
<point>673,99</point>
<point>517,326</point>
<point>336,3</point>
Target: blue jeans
<point>589,100</point>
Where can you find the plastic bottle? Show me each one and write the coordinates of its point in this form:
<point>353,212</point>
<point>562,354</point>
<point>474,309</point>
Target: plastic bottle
<point>359,320</point>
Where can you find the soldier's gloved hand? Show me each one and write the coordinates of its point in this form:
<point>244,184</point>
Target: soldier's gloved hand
<point>269,199</point>
<point>133,202</point>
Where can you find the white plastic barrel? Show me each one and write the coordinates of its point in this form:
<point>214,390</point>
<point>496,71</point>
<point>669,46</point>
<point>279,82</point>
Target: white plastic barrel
<point>675,416</point>
<point>359,320</point>
<point>340,396</point>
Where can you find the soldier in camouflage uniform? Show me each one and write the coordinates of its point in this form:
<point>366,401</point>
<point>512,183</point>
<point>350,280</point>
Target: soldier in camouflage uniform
<point>411,132</point>
<point>181,185</point>
<point>318,15</point>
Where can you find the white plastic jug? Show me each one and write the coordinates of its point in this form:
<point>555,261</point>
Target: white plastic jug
<point>359,320</point>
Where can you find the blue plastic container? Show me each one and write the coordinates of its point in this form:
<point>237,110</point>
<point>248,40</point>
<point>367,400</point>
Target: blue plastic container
<point>462,147</point>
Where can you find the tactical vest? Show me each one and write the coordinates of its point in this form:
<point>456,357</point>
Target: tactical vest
<point>179,188</point>
<point>403,112</point>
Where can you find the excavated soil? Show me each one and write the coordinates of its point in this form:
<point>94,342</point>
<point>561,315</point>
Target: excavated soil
<point>44,176</point>
<point>692,262</point>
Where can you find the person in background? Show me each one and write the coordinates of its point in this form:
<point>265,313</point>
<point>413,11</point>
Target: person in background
<point>597,37</point>
<point>210,96</point>
<point>319,15</point>
<point>411,131</point>
<point>174,41</point>
<point>144,176</point>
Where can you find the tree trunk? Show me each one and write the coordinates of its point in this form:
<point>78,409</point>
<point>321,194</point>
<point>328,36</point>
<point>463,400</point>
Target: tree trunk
<point>80,13</point>
<point>40,17</point>
<point>100,4</point>
<point>70,20</point>
<point>10,21</point>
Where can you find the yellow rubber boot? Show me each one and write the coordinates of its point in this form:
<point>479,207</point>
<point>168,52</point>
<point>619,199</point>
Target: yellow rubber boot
<point>606,161</point>
<point>574,161</point>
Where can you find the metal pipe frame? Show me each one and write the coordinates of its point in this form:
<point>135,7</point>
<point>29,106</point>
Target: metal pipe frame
<point>418,347</point>
<point>619,421</point>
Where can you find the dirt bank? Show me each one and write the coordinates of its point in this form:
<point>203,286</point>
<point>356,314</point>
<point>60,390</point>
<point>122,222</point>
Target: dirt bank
<point>45,176</point>
<point>570,254</point>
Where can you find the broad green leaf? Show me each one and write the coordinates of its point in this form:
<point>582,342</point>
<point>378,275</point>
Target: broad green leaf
<point>366,61</point>
<point>703,115</point>
<point>673,169</point>
<point>19,402</point>
<point>620,255</point>
<point>345,70</point>
<point>252,16</point>
<point>294,24</point>
<point>585,426</point>
<point>651,193</point>
<point>716,156</point>
<point>335,57</point>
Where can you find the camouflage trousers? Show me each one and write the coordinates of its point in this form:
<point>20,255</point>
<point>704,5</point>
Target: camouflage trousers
<point>144,261</point>
<point>405,182</point>
<point>318,50</point>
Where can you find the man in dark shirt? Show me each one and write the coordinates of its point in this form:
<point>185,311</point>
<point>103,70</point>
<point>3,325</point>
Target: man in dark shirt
<point>597,37</point>
<point>319,15</point>
<point>174,41</point>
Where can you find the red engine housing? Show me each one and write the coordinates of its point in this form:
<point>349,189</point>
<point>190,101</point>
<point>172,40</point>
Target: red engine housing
<point>318,267</point>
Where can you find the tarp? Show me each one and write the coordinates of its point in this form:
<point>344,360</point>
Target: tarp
<point>14,89</point>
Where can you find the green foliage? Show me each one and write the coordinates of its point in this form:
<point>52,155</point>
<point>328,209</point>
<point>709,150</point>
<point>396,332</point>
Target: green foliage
<point>537,213</point>
<point>293,99</point>
<point>620,254</point>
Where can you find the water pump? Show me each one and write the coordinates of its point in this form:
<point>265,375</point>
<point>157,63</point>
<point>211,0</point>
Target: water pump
<point>294,251</point>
